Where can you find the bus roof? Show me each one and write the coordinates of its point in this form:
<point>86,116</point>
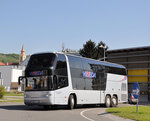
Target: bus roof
<point>101,62</point>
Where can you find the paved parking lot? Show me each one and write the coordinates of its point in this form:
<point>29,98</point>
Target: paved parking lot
<point>20,112</point>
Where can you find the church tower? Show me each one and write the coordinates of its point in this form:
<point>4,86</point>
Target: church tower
<point>22,56</point>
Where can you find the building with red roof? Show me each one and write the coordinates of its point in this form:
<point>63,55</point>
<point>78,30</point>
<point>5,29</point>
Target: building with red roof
<point>2,64</point>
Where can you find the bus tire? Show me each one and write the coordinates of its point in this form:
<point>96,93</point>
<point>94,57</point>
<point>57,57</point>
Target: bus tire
<point>71,102</point>
<point>114,101</point>
<point>46,107</point>
<point>107,101</point>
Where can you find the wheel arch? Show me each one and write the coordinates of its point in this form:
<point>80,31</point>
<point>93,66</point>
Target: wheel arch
<point>108,95</point>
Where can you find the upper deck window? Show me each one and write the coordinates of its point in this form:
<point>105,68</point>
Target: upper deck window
<point>41,60</point>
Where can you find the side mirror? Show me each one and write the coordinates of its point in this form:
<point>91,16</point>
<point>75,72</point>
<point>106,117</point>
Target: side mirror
<point>55,81</point>
<point>20,79</point>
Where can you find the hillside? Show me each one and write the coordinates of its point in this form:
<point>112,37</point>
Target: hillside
<point>10,58</point>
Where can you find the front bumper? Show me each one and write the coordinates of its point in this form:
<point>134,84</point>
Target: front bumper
<point>39,98</point>
<point>38,101</point>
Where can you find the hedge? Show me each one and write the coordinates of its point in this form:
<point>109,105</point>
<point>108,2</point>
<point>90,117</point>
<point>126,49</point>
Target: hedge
<point>2,91</point>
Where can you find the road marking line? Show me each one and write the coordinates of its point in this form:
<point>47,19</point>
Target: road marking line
<point>85,116</point>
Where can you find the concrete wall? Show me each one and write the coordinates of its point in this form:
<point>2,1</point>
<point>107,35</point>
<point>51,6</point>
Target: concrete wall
<point>15,74</point>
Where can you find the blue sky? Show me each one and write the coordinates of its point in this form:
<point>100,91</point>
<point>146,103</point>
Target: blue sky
<point>43,25</point>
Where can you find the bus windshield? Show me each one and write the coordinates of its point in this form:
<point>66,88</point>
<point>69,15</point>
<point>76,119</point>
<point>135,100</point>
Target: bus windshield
<point>38,72</point>
<point>41,83</point>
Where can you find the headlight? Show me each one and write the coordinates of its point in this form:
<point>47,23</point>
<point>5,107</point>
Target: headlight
<point>47,95</point>
<point>26,96</point>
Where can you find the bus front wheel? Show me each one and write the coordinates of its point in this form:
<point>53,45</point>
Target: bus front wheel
<point>107,101</point>
<point>71,103</point>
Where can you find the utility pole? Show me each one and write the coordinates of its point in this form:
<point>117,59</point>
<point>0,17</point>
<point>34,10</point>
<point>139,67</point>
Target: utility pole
<point>63,47</point>
<point>104,47</point>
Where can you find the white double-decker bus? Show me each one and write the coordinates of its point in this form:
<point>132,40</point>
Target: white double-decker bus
<point>62,79</point>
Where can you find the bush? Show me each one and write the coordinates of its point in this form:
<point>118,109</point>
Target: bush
<point>2,91</point>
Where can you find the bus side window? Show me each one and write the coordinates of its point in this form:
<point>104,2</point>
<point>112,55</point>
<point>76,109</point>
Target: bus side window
<point>76,69</point>
<point>61,72</point>
<point>89,67</point>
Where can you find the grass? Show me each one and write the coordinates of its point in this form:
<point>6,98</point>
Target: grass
<point>130,112</point>
<point>13,97</point>
<point>14,94</point>
<point>11,100</point>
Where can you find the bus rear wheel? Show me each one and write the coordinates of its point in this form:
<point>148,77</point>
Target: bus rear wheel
<point>107,101</point>
<point>71,103</point>
<point>114,101</point>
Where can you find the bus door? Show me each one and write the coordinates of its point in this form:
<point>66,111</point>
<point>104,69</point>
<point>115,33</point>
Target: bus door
<point>60,80</point>
<point>101,77</point>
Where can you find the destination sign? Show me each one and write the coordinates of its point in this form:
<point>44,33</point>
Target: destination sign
<point>36,73</point>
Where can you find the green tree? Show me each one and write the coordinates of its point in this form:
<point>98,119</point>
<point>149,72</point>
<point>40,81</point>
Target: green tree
<point>90,50</point>
<point>10,58</point>
<point>101,49</point>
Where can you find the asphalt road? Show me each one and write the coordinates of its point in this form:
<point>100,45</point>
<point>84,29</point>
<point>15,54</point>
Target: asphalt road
<point>20,112</point>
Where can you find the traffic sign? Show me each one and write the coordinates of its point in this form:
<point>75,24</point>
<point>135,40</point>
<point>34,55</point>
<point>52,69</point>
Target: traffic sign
<point>136,90</point>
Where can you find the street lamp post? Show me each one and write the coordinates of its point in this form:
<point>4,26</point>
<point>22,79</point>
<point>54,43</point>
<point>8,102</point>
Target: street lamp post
<point>104,47</point>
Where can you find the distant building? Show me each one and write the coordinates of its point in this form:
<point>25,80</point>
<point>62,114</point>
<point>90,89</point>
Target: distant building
<point>137,62</point>
<point>22,56</point>
<point>2,64</point>
<point>9,76</point>
<point>10,72</point>
<point>8,64</point>
<point>25,62</point>
<point>72,52</point>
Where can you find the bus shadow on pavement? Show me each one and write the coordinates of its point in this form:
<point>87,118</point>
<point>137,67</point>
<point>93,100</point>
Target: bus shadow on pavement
<point>22,108</point>
<point>41,108</point>
<point>31,108</point>
<point>101,114</point>
<point>13,107</point>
